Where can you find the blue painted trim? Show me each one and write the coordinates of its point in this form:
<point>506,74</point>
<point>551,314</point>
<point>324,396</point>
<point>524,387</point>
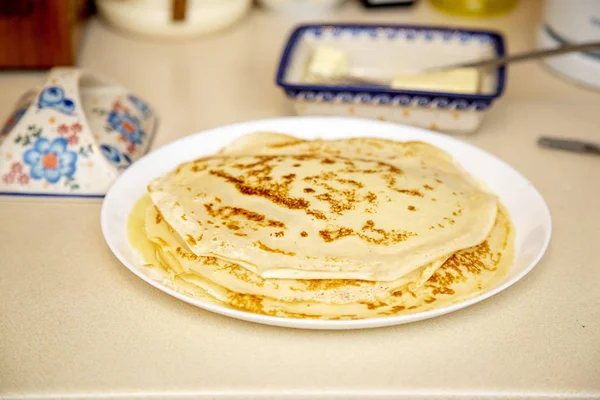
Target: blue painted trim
<point>496,39</point>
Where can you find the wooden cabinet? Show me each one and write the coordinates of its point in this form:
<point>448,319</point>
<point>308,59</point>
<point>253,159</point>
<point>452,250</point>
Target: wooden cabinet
<point>39,34</point>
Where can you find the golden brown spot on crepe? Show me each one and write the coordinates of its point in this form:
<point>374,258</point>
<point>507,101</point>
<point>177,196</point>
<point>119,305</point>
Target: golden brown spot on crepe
<point>427,187</point>
<point>190,239</point>
<point>240,234</point>
<point>196,168</point>
<point>246,302</point>
<point>277,195</point>
<point>351,182</point>
<point>317,214</point>
<point>450,220</point>
<point>397,293</point>
<point>228,213</point>
<point>433,199</point>
<point>439,180</point>
<point>303,234</point>
<point>233,225</point>
<point>412,208</point>
<point>161,241</point>
<point>189,189</point>
<point>384,237</point>
<point>430,300</point>
<point>176,204</point>
<point>338,206</point>
<point>296,165</point>
<point>264,247</point>
<point>158,217</point>
<point>506,235</point>
<point>441,226</point>
<point>183,217</point>
<point>371,197</point>
<point>279,234</point>
<point>242,274</point>
<point>290,143</point>
<point>327,161</point>
<point>309,190</point>
<point>185,254</point>
<point>331,235</point>
<point>254,182</point>
<point>373,306</point>
<point>458,266</point>
<point>411,192</point>
<point>218,199</point>
<point>315,285</point>
<point>210,260</point>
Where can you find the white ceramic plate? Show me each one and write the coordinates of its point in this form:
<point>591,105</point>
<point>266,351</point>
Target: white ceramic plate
<point>527,208</point>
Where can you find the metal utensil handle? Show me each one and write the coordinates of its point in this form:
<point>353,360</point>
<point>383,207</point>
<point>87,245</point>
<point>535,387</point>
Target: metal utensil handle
<point>578,146</point>
<point>527,56</point>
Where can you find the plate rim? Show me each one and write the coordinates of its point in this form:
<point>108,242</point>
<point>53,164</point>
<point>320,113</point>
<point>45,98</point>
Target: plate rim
<point>312,323</point>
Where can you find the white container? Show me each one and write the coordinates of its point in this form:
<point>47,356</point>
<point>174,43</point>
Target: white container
<point>154,17</point>
<point>389,49</point>
<point>567,22</point>
<point>302,8</point>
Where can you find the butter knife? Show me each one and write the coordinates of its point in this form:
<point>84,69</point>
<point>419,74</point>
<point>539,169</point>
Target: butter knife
<point>578,146</point>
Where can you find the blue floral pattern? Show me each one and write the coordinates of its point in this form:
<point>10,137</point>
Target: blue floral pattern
<point>140,105</point>
<point>112,154</point>
<point>54,97</point>
<point>126,125</point>
<point>50,160</point>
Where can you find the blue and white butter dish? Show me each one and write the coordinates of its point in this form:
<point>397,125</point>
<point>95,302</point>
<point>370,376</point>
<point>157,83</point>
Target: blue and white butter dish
<point>390,49</point>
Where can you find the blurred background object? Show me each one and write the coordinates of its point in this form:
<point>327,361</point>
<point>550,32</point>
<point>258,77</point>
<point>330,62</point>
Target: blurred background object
<point>172,18</point>
<point>41,33</point>
<point>387,3</point>
<point>475,8</point>
<point>564,23</point>
<point>302,8</point>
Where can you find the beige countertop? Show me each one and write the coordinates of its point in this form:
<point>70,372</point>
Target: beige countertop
<point>74,321</point>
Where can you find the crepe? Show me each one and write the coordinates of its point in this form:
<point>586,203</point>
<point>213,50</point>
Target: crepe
<point>464,275</point>
<point>324,229</point>
<point>310,216</point>
<point>175,254</point>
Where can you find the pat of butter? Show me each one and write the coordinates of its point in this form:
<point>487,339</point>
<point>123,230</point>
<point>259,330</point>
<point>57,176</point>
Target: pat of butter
<point>327,62</point>
<point>460,80</point>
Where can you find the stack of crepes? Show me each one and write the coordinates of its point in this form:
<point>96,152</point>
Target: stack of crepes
<point>328,229</point>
